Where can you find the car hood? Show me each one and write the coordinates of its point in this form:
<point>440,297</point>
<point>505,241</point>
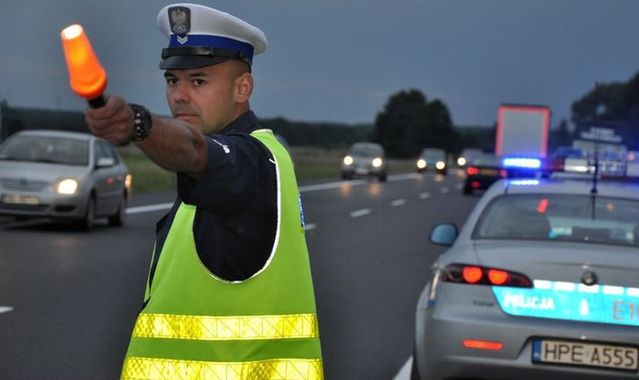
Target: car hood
<point>37,171</point>
<point>562,261</point>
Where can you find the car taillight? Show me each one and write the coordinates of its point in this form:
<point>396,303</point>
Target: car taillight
<point>471,170</point>
<point>479,275</point>
<point>488,345</point>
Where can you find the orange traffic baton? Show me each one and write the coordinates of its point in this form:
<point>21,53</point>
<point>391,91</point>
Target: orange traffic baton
<point>87,77</point>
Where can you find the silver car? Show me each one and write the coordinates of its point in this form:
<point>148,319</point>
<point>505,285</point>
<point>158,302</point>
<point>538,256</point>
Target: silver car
<point>542,282</point>
<point>365,159</point>
<point>62,175</point>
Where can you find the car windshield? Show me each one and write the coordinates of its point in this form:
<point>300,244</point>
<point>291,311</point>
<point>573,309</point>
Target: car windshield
<point>577,218</point>
<point>435,154</point>
<point>47,149</point>
<point>366,150</point>
<point>487,160</point>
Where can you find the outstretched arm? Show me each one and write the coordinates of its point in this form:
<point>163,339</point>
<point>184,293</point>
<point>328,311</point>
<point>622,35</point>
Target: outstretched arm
<point>172,144</point>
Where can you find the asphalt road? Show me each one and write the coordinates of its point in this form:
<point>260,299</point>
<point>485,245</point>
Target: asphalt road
<point>68,299</point>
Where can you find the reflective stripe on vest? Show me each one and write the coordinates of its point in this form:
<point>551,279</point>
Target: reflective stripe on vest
<point>226,328</point>
<point>274,369</point>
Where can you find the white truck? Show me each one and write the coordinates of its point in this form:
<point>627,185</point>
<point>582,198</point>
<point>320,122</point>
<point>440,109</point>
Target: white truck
<point>522,131</point>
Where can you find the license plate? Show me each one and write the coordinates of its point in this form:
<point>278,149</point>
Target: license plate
<point>19,199</point>
<point>585,354</point>
<point>361,171</point>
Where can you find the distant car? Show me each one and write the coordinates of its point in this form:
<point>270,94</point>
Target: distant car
<point>62,175</point>
<point>432,159</point>
<point>365,159</point>
<point>467,155</point>
<point>481,172</point>
<point>540,283</point>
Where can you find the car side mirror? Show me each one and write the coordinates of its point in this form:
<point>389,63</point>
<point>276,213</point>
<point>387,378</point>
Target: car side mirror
<point>105,162</point>
<point>443,234</point>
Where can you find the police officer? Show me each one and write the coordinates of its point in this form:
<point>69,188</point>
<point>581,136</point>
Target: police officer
<point>229,294</point>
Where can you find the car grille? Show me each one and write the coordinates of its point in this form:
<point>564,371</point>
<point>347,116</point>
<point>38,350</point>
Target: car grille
<point>22,184</point>
<point>32,208</point>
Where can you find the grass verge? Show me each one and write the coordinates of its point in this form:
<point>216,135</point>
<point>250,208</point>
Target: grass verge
<point>310,164</point>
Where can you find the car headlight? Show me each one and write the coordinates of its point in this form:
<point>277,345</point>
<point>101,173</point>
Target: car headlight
<point>440,165</point>
<point>348,160</point>
<point>461,161</point>
<point>377,162</point>
<point>66,186</point>
<point>421,163</point>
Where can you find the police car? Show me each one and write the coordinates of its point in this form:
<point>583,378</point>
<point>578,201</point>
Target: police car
<point>541,282</point>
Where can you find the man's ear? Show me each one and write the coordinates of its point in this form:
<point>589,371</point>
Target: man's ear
<point>243,88</point>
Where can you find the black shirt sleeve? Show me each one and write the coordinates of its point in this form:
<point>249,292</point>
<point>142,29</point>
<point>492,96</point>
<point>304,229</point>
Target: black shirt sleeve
<point>236,200</point>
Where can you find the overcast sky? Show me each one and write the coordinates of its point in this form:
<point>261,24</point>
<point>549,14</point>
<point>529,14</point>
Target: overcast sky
<point>339,60</point>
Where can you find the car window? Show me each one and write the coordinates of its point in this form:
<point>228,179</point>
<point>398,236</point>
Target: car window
<point>367,150</point>
<point>105,150</point>
<point>561,217</point>
<point>486,160</point>
<point>102,151</point>
<point>437,154</point>
<point>46,149</point>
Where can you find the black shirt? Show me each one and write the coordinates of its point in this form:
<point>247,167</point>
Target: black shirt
<point>236,199</point>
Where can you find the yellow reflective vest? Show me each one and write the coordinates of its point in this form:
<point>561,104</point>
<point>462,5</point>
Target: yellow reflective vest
<point>198,326</point>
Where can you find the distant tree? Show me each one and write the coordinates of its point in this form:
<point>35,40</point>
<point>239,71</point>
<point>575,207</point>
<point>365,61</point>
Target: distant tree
<point>612,102</point>
<point>409,123</point>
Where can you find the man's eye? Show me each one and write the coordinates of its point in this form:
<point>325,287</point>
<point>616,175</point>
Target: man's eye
<point>198,82</point>
<point>171,81</point>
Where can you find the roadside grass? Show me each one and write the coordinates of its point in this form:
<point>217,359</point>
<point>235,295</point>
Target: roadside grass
<point>310,164</point>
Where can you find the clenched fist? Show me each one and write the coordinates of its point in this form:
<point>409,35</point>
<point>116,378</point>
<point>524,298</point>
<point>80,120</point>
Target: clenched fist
<point>112,122</point>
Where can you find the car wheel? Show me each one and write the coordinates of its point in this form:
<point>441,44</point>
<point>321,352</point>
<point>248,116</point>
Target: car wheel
<point>117,219</point>
<point>89,215</point>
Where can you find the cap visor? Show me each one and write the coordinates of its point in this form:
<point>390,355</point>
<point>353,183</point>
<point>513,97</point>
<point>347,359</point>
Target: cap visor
<point>178,62</point>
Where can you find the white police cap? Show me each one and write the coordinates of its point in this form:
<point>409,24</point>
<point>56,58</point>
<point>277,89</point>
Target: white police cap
<point>202,36</point>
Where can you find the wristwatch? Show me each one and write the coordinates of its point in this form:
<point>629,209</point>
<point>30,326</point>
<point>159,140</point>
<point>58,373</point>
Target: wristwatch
<point>141,122</point>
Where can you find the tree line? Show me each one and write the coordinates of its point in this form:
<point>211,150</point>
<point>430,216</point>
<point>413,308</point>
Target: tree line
<point>409,121</point>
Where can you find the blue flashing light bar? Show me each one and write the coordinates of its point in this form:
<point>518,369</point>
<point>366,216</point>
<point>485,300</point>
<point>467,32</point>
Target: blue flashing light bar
<point>521,162</point>
<point>524,182</point>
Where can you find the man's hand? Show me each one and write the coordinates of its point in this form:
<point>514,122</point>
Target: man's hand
<point>113,122</point>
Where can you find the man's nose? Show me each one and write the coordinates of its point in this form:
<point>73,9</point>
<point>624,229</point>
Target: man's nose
<point>180,93</point>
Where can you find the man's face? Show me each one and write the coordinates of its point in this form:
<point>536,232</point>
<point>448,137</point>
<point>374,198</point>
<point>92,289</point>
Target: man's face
<point>205,96</point>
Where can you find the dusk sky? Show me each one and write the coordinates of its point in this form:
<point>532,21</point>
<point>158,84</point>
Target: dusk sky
<point>340,60</point>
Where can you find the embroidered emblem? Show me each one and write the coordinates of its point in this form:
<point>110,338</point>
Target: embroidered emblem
<point>180,21</point>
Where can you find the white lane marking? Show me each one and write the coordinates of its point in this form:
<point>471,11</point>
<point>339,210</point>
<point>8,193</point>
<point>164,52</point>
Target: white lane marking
<point>302,189</point>
<point>149,208</point>
<point>404,372</point>
<point>424,195</point>
<point>362,212</point>
<point>310,226</point>
<point>444,190</point>
<point>5,309</point>
<point>398,202</point>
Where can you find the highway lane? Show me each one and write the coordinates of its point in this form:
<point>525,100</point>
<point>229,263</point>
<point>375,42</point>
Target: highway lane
<point>75,295</point>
